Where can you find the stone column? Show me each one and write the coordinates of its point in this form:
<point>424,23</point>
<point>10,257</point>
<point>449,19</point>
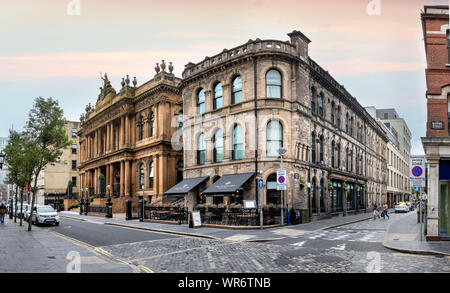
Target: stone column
<point>127,130</point>
<point>107,138</point>
<point>111,177</point>
<point>122,178</point>
<point>127,178</point>
<point>95,181</point>
<point>133,129</point>
<point>433,199</point>
<point>122,132</point>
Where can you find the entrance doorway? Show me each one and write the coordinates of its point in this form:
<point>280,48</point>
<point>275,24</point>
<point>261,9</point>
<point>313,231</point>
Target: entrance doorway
<point>444,202</point>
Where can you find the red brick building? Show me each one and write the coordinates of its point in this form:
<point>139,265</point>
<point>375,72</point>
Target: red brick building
<point>435,23</point>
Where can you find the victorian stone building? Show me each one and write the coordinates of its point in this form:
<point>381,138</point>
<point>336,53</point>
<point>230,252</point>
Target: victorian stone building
<point>243,104</point>
<point>126,145</point>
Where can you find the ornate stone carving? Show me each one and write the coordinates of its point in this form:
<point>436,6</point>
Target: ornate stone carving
<point>107,89</point>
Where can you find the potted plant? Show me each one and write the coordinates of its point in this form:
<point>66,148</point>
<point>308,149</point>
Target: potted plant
<point>330,185</point>
<point>69,188</point>
<point>346,187</point>
<point>101,184</point>
<point>302,182</point>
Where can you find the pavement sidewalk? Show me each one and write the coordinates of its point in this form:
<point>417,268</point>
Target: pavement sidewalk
<point>271,234</point>
<point>41,251</point>
<point>403,235</point>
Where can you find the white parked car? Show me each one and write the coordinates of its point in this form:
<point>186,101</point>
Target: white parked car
<point>402,208</point>
<point>45,215</point>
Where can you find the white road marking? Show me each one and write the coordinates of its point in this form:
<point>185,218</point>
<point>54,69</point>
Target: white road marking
<point>299,244</point>
<point>339,247</point>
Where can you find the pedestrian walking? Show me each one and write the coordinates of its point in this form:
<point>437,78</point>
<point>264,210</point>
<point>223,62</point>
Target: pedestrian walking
<point>376,214</point>
<point>2,213</point>
<point>385,211</point>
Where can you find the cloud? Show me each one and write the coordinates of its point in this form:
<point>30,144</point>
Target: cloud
<point>199,35</point>
<point>88,64</point>
<point>364,66</point>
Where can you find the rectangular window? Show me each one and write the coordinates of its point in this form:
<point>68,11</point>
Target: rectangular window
<point>74,149</point>
<point>448,47</point>
<point>74,132</point>
<point>74,165</point>
<point>74,181</point>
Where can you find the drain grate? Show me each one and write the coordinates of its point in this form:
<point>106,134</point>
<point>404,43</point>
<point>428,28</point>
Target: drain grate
<point>51,257</point>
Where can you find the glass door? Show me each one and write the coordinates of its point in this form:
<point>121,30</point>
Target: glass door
<point>444,202</point>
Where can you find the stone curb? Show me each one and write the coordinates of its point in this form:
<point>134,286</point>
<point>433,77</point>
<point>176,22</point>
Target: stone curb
<point>410,251</point>
<point>415,251</point>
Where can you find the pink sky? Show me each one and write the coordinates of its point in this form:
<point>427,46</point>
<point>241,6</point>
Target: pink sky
<point>44,51</point>
<point>341,32</point>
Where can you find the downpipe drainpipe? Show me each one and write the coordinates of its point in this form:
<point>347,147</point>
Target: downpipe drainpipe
<point>255,86</point>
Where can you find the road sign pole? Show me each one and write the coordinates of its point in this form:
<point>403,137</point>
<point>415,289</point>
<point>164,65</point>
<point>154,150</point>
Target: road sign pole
<point>282,197</point>
<point>261,217</point>
<point>420,214</point>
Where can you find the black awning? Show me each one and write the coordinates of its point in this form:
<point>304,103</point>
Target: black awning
<point>182,188</point>
<point>228,184</point>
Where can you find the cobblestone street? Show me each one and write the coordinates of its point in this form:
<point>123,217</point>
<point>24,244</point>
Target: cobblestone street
<point>354,248</point>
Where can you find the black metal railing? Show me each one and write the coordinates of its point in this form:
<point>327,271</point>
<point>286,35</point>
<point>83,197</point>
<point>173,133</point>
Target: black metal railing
<point>97,209</point>
<point>240,217</point>
<point>174,214</point>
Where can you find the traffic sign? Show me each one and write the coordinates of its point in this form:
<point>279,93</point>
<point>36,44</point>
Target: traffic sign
<point>417,171</point>
<point>281,179</point>
<point>260,184</point>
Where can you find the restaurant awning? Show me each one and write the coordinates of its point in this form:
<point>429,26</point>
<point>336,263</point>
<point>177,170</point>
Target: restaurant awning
<point>228,184</point>
<point>182,188</point>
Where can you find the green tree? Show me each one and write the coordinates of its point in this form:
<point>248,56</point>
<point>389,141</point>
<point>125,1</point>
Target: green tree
<point>20,158</point>
<point>46,132</point>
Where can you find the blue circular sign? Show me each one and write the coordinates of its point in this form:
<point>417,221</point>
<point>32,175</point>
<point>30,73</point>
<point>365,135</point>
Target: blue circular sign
<point>417,171</point>
<point>281,179</point>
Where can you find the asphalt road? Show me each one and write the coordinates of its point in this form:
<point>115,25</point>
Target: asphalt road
<point>98,234</point>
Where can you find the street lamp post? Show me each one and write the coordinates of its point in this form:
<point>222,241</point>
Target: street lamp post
<point>86,207</point>
<point>282,152</point>
<point>109,204</point>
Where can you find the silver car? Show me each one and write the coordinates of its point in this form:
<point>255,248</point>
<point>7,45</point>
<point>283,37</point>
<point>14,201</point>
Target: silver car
<point>45,215</point>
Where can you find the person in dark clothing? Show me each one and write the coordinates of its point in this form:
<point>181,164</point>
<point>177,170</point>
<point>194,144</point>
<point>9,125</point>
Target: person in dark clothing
<point>3,212</point>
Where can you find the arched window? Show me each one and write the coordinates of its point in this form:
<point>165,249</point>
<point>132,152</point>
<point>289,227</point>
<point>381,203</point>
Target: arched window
<point>338,117</point>
<point>321,149</point>
<point>339,156</point>
<point>346,123</point>
<point>201,102</point>
<point>332,155</point>
<point>313,195</point>
<point>238,143</point>
<point>313,148</point>
<point>321,196</point>
<point>152,125</point>
<point>141,129</point>
<point>180,121</point>
<point>273,196</point>
<point>274,138</point>
<point>142,176</point>
<point>313,100</point>
<point>151,176</point>
<point>218,96</point>
<point>179,171</point>
<point>351,126</point>
<point>236,90</point>
<point>218,146</point>
<point>201,149</point>
<point>321,104</point>
<point>332,112</point>
<point>273,84</point>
